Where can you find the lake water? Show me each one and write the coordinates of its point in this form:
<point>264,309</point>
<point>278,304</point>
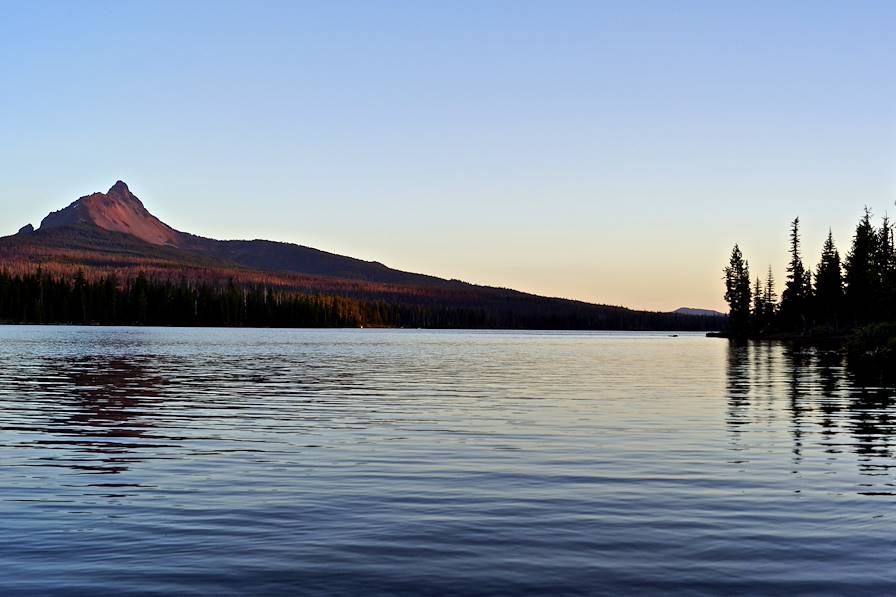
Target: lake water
<point>390,462</point>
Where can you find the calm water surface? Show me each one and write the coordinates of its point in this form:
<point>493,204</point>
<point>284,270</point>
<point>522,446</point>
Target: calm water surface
<point>373,462</point>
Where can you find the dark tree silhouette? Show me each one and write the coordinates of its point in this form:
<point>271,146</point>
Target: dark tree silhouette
<point>737,293</point>
<point>770,298</point>
<point>829,285</point>
<point>763,312</point>
<point>885,265</point>
<point>860,275</point>
<point>844,296</point>
<point>798,288</point>
<point>39,297</point>
<point>758,311</point>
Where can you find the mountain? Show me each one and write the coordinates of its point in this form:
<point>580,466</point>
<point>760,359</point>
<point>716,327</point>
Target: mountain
<point>113,234</point>
<point>698,312</point>
<point>118,210</point>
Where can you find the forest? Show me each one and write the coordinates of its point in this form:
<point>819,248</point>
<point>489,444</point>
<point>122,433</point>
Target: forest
<point>42,297</point>
<point>852,298</point>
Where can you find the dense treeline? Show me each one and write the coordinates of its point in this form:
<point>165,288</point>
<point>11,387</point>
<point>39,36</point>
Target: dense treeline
<point>839,296</point>
<point>41,297</point>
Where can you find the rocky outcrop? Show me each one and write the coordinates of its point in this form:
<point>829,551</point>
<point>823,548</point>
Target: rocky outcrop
<point>117,210</point>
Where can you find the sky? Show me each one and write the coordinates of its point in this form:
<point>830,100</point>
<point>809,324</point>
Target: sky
<point>606,151</point>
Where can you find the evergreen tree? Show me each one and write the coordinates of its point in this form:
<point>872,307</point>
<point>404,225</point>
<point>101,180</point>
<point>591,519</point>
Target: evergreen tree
<point>140,298</point>
<point>737,293</point>
<point>81,297</point>
<point>770,299</point>
<point>798,288</point>
<point>884,255</point>
<point>829,285</point>
<point>885,266</point>
<point>860,275</point>
<point>758,312</point>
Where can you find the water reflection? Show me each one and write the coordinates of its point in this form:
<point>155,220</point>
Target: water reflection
<point>829,407</point>
<point>93,414</point>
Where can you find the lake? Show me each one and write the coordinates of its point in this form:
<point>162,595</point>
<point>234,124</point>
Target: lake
<point>404,462</point>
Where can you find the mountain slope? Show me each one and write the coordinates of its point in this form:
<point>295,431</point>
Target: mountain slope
<point>112,233</point>
<point>119,210</point>
<point>275,256</point>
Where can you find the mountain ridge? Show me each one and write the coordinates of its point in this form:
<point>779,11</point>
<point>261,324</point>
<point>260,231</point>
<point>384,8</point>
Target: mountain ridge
<point>699,312</point>
<point>119,210</point>
<point>113,233</point>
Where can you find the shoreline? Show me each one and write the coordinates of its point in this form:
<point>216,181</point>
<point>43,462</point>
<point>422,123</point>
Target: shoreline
<point>838,338</point>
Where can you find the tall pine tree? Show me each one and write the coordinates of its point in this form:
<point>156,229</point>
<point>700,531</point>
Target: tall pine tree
<point>737,293</point>
<point>798,288</point>
<point>885,264</point>
<point>829,285</point>
<point>860,274</point>
<point>771,298</point>
<point>758,312</point>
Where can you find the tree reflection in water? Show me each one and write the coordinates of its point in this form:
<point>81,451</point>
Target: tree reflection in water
<point>828,406</point>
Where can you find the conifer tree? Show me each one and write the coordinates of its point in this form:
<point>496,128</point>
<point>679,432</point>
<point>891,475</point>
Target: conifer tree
<point>758,313</point>
<point>829,284</point>
<point>860,276</point>
<point>771,298</point>
<point>80,291</point>
<point>737,293</point>
<point>885,252</point>
<point>797,290</point>
<point>885,265</point>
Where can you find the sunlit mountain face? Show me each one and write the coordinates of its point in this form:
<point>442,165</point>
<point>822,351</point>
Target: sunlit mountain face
<point>117,210</point>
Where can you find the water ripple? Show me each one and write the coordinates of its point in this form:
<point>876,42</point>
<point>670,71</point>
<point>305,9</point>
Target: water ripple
<point>165,461</point>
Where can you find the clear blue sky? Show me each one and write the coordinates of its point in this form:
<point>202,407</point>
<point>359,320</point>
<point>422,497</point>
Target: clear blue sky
<point>611,152</point>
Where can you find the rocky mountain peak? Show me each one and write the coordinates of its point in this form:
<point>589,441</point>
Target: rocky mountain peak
<point>118,210</point>
<point>120,187</point>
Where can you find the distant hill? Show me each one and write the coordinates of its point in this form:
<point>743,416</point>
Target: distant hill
<point>699,312</point>
<point>112,233</point>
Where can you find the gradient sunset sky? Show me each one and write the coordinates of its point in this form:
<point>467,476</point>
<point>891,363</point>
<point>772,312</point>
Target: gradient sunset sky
<point>611,152</point>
